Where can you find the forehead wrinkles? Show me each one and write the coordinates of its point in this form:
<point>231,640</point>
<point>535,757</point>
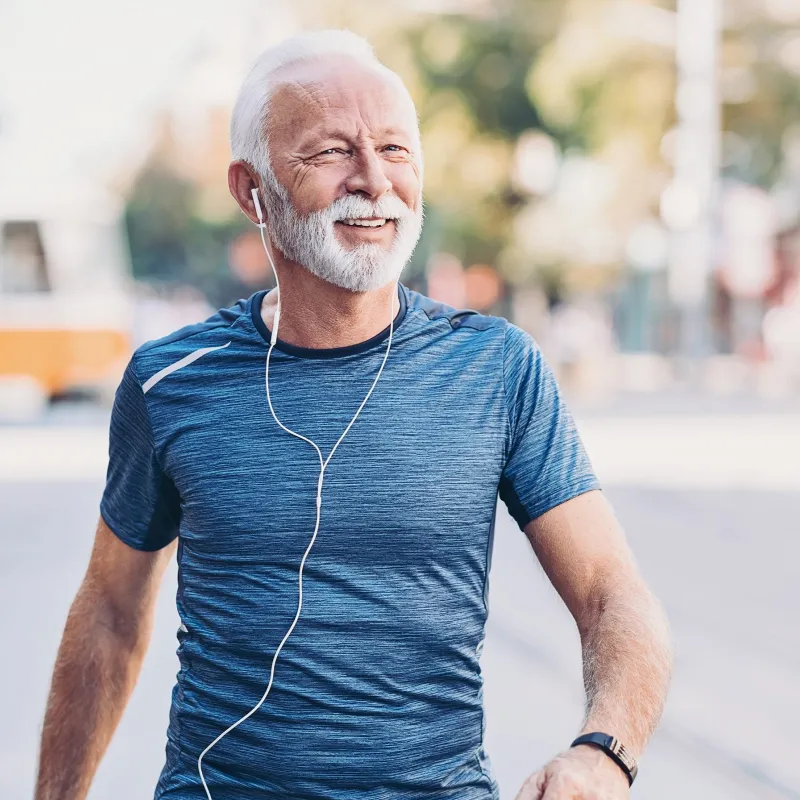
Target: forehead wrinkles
<point>348,100</point>
<point>291,106</point>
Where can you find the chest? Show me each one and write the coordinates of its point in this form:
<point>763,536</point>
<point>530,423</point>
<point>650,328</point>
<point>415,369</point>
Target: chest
<point>415,474</point>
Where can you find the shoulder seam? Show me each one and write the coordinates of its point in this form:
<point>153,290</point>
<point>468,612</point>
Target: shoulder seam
<point>426,318</point>
<point>147,414</point>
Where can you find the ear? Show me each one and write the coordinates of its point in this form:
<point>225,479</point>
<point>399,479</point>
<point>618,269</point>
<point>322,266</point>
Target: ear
<point>242,179</point>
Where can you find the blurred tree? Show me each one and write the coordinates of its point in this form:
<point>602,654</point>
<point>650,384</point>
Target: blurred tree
<point>473,106</point>
<point>760,67</point>
<point>157,217</point>
<point>563,67</point>
<point>174,239</point>
<point>171,245</point>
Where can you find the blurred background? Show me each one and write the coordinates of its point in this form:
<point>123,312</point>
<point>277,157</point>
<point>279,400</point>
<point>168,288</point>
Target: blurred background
<point>621,178</point>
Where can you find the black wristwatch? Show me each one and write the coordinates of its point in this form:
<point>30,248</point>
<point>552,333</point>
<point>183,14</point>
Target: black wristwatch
<point>614,749</point>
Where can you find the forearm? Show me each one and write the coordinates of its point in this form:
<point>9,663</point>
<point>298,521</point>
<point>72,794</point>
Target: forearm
<point>96,670</point>
<point>627,664</point>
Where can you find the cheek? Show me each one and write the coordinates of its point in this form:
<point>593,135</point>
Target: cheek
<point>316,189</point>
<point>406,182</point>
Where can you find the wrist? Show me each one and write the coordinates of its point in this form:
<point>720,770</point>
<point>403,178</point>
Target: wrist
<point>600,765</point>
<point>612,751</point>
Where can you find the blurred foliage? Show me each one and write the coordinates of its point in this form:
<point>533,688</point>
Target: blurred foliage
<point>171,244</point>
<point>532,65</point>
<point>473,103</point>
<point>761,98</point>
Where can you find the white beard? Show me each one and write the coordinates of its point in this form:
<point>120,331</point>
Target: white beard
<point>311,240</point>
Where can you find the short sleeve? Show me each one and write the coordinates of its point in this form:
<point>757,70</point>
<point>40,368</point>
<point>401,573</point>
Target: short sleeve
<point>546,463</point>
<point>140,503</point>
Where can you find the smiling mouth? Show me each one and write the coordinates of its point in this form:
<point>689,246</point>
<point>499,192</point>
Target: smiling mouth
<point>365,222</point>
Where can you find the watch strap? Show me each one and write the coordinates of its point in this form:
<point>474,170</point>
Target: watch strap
<point>614,749</point>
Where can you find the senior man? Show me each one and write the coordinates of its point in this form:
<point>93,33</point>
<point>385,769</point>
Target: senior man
<point>332,612</point>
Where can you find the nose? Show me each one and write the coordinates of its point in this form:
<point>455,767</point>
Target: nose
<point>368,177</point>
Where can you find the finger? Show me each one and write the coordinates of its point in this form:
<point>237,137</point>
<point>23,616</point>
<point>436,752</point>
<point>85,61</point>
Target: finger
<point>533,787</point>
<point>564,789</point>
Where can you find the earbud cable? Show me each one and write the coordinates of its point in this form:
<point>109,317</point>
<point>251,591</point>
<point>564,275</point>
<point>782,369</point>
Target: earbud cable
<point>323,466</point>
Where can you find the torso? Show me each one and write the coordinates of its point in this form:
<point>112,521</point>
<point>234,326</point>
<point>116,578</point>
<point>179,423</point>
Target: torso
<point>378,691</point>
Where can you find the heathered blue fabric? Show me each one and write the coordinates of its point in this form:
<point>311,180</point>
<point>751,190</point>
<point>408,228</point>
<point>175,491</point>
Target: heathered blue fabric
<point>378,691</point>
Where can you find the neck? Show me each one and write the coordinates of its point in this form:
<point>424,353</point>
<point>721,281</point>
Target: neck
<point>315,313</point>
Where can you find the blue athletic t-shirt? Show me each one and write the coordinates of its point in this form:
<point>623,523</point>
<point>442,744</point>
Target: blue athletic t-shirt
<point>378,691</point>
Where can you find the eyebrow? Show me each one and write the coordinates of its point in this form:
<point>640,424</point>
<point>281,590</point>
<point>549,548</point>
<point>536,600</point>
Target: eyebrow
<point>321,136</point>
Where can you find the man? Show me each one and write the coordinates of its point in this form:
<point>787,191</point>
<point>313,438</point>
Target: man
<point>377,690</point>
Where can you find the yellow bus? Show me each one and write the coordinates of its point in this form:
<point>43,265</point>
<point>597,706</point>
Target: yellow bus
<point>65,312</point>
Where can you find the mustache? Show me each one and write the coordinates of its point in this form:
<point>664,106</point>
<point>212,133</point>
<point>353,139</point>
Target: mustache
<point>349,206</point>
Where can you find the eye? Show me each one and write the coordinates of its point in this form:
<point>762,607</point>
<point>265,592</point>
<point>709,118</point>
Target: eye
<point>331,150</point>
<point>396,148</point>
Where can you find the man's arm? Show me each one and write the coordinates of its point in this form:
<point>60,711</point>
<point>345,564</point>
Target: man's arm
<point>104,642</point>
<point>627,658</point>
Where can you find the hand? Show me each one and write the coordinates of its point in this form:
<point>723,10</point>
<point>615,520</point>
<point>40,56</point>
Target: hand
<point>581,773</point>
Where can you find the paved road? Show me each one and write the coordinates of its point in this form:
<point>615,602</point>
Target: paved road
<point>726,563</point>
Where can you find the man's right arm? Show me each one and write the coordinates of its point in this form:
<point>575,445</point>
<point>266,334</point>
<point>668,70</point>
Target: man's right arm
<point>104,643</point>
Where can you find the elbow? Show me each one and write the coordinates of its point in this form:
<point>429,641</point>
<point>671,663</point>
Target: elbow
<point>102,618</point>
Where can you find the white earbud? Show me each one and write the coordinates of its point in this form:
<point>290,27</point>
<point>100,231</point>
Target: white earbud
<point>259,212</point>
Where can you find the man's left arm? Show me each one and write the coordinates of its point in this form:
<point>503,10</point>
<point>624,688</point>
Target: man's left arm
<point>625,639</point>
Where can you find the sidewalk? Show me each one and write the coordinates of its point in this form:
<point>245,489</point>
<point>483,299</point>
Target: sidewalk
<point>735,450</point>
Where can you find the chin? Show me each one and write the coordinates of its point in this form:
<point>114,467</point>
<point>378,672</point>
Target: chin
<point>360,279</point>
<point>360,284</point>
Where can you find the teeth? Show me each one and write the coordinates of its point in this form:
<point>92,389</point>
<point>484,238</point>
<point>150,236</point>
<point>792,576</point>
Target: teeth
<point>365,223</point>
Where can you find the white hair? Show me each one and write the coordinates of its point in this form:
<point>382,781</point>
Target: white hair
<point>249,128</point>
